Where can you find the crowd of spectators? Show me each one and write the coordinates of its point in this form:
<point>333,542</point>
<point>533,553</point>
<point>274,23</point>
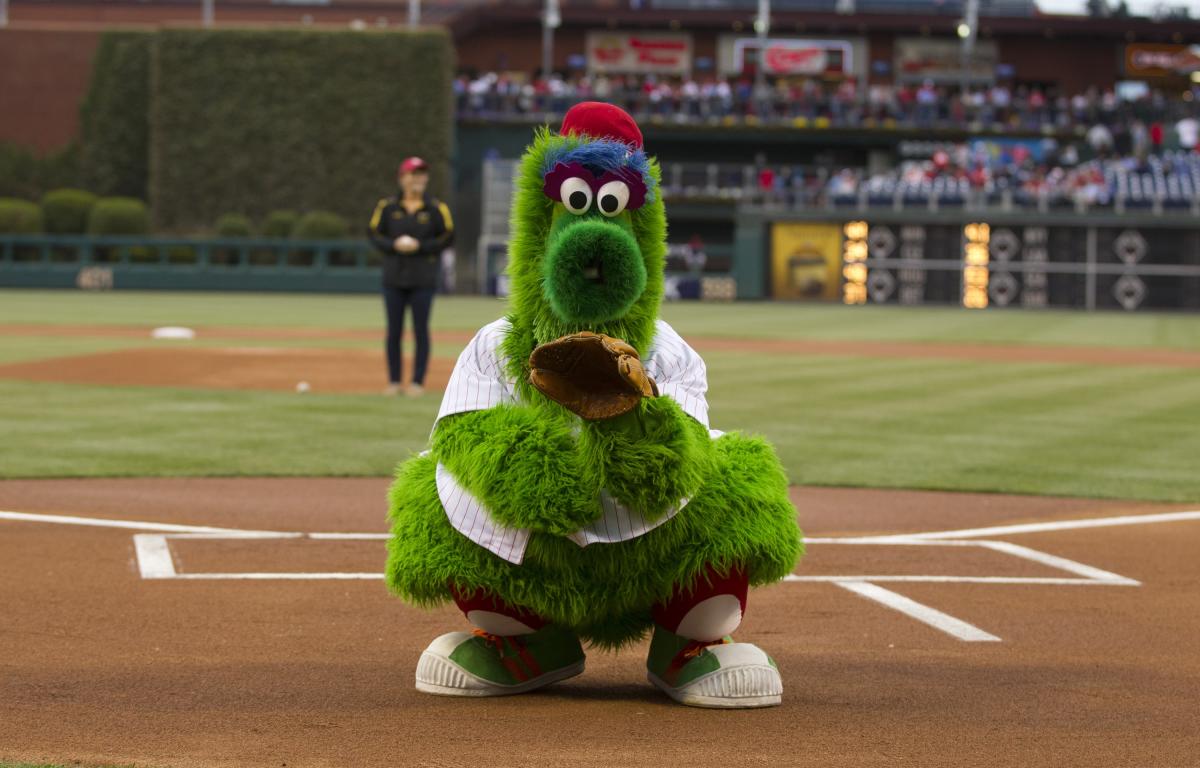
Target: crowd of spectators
<point>957,173</point>
<point>840,103</point>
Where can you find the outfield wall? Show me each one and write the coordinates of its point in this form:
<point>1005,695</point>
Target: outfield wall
<point>972,259</point>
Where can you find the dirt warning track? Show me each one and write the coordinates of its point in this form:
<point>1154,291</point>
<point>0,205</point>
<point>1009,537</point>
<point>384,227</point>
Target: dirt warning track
<point>250,650</point>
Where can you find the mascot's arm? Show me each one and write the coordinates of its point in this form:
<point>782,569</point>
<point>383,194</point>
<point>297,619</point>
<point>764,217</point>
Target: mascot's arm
<point>652,457</point>
<point>526,468</point>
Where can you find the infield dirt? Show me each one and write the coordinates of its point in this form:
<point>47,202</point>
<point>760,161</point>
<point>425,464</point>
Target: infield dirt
<point>100,665</point>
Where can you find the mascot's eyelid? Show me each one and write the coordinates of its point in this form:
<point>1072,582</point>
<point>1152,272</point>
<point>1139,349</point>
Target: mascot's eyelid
<point>633,180</point>
<point>552,181</point>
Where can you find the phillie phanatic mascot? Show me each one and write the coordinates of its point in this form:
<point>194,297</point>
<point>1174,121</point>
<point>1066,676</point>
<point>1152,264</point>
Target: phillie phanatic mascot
<point>573,489</point>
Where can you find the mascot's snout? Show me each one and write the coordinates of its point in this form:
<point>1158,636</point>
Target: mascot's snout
<point>593,271</point>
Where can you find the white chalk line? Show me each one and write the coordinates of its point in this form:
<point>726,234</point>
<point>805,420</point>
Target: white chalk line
<point>155,560</point>
<point>922,613</point>
<point>101,522</point>
<point>1060,525</point>
<point>917,579</point>
<point>283,576</point>
<point>1061,563</point>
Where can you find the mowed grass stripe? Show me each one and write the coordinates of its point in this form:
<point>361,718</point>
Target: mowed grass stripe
<point>974,426</point>
<point>950,425</point>
<point>760,320</point>
<point>262,310</point>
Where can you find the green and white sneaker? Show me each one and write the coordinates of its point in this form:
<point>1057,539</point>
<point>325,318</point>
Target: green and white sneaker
<point>479,664</point>
<point>722,674</point>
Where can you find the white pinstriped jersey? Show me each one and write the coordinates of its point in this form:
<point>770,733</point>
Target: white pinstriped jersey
<point>480,381</point>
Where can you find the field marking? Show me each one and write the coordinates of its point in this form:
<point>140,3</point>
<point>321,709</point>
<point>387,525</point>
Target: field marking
<point>922,613</point>
<point>284,576</point>
<point>1061,525</point>
<point>100,522</point>
<point>1062,563</point>
<point>1047,580</point>
<point>155,561</point>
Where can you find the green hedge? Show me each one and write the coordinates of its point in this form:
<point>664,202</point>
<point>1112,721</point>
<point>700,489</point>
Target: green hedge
<point>233,225</point>
<point>119,216</point>
<point>66,211</point>
<point>26,174</point>
<point>246,119</point>
<point>321,225</point>
<point>114,117</point>
<point>19,217</point>
<point>279,223</point>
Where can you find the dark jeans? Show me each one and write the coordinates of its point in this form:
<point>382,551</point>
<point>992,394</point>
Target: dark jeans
<point>421,302</point>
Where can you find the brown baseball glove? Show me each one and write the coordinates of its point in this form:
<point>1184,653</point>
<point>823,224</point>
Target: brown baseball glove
<point>590,374</point>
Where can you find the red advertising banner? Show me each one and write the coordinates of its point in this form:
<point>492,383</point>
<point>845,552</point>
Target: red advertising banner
<point>637,52</point>
<point>784,56</point>
<point>1151,60</point>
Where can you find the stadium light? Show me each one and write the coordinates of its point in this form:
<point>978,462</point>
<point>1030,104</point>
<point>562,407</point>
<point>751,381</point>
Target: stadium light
<point>551,20</point>
<point>967,29</point>
<point>762,27</point>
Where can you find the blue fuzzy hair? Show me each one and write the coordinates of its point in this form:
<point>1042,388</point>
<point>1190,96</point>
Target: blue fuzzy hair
<point>600,155</point>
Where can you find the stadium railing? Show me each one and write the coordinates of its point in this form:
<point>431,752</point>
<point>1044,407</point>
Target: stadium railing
<point>199,263</point>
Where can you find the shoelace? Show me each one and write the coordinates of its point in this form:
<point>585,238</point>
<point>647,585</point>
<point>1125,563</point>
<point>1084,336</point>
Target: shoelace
<point>686,654</point>
<point>517,660</point>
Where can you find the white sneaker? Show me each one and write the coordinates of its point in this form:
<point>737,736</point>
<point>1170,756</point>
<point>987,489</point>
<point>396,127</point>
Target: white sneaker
<point>724,675</point>
<point>414,390</point>
<point>479,664</point>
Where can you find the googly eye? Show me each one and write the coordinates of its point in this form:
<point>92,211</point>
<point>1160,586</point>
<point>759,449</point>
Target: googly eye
<point>613,197</point>
<point>576,195</point>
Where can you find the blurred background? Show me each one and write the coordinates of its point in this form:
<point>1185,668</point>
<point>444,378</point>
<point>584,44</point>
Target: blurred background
<point>980,153</point>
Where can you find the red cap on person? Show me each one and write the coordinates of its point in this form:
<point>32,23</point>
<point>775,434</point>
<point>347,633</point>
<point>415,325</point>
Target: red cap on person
<point>414,163</point>
<point>601,121</point>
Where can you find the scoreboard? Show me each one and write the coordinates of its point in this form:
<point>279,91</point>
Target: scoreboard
<point>979,263</point>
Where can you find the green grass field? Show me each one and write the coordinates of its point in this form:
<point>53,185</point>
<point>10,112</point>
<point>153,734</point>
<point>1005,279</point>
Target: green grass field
<point>1044,428</point>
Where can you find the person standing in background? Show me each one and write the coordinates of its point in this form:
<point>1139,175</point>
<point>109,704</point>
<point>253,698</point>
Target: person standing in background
<point>411,230</point>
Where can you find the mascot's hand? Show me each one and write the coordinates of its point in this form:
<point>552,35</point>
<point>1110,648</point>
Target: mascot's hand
<point>590,374</point>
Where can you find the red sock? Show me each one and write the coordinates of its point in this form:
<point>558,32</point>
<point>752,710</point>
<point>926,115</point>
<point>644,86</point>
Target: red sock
<point>668,615</point>
<point>478,600</point>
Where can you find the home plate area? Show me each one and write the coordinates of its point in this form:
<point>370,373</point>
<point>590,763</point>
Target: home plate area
<point>860,565</point>
<point>221,622</point>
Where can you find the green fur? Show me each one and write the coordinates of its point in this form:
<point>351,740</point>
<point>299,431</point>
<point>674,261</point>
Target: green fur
<point>536,466</point>
<point>524,464</point>
<point>604,592</point>
<point>651,457</point>
<point>578,244</point>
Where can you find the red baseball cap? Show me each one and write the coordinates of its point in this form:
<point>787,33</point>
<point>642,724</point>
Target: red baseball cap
<point>601,121</point>
<point>412,164</point>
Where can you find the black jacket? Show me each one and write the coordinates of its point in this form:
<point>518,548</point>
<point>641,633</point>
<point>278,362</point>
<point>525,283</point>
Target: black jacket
<point>431,225</point>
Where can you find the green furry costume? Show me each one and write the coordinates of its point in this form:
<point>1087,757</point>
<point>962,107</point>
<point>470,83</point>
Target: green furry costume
<point>538,467</point>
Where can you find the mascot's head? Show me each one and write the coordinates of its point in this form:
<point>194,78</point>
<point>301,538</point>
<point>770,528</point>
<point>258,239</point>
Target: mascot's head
<point>588,234</point>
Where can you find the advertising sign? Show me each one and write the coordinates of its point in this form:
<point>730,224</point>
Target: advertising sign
<point>663,53</point>
<point>1151,60</point>
<point>788,56</point>
<point>805,261</point>
<point>920,58</point>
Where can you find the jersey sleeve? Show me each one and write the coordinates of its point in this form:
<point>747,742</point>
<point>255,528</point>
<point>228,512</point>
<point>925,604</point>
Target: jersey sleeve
<point>679,372</point>
<point>479,380</point>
